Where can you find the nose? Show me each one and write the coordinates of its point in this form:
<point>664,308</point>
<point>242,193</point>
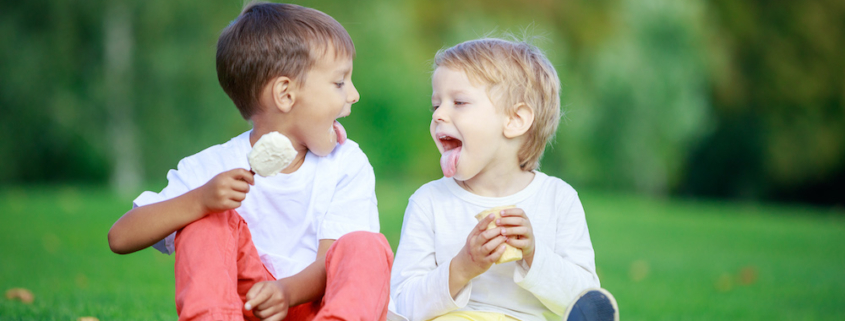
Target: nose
<point>354,96</point>
<point>439,114</point>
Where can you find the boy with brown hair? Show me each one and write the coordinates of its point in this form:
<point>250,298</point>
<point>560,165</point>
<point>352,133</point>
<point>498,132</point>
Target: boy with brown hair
<point>303,244</point>
<point>495,106</point>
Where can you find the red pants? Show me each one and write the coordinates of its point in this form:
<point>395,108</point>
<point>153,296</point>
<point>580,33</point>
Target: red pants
<point>217,264</point>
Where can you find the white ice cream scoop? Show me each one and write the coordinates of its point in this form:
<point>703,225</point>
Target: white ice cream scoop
<point>272,153</point>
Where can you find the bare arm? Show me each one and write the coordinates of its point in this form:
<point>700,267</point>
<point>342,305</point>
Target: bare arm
<point>309,284</point>
<point>270,300</point>
<point>143,226</point>
<point>482,249</point>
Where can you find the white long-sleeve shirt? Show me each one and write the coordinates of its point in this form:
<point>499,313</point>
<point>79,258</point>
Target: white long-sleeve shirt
<point>440,216</point>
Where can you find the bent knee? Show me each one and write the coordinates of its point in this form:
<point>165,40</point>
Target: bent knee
<point>365,238</point>
<point>224,221</point>
<point>370,241</point>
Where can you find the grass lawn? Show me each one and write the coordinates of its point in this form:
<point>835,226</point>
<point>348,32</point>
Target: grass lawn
<point>663,259</point>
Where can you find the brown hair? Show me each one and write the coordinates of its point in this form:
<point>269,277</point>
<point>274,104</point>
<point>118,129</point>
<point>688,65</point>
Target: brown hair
<point>269,40</point>
<point>514,72</point>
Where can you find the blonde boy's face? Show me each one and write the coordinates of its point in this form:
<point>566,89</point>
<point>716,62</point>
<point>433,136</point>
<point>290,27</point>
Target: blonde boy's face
<point>466,126</point>
<point>327,94</point>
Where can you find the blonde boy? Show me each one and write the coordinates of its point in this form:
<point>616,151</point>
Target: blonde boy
<point>495,106</point>
<point>301,245</point>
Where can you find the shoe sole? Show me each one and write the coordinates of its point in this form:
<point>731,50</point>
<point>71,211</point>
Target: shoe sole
<point>603,292</point>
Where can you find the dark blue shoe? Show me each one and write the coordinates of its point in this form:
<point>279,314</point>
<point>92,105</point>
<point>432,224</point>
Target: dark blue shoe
<point>593,305</point>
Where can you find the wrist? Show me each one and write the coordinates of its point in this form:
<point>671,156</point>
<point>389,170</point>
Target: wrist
<point>458,273</point>
<point>457,277</point>
<point>291,298</point>
<point>196,201</point>
<point>529,258</point>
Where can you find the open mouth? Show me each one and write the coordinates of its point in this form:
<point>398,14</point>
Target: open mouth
<point>449,142</point>
<point>451,153</point>
<point>339,131</point>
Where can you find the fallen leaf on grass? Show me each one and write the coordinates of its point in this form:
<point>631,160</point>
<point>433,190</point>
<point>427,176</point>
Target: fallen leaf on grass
<point>21,294</point>
<point>639,270</point>
<point>748,275</point>
<point>87,319</point>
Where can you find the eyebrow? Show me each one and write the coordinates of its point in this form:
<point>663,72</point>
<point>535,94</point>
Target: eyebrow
<point>454,93</point>
<point>343,71</point>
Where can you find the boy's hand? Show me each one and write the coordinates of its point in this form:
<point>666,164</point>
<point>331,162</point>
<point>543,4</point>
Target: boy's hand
<point>268,300</point>
<point>515,225</point>
<point>482,249</point>
<point>226,191</point>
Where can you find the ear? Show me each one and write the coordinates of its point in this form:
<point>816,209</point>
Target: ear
<point>519,120</point>
<point>284,93</point>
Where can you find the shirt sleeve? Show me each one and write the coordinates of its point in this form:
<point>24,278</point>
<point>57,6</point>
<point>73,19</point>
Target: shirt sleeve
<point>558,274</point>
<point>420,286</point>
<point>177,184</point>
<point>353,205</point>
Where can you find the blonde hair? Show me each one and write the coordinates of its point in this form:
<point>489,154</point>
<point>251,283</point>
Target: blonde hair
<point>515,72</point>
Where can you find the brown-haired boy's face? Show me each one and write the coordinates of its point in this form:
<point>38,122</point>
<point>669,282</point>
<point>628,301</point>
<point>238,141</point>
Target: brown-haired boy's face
<point>326,95</point>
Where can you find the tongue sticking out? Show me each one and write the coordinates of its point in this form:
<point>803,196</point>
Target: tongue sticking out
<point>449,161</point>
<point>339,131</point>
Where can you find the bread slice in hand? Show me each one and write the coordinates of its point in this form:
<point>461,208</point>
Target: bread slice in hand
<point>511,253</point>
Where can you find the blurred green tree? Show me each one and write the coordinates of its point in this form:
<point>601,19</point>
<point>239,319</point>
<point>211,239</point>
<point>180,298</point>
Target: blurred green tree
<point>637,101</point>
<point>732,99</point>
<point>778,93</point>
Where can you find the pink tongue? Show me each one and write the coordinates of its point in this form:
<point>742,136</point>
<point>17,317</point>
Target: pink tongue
<point>449,161</point>
<point>340,131</point>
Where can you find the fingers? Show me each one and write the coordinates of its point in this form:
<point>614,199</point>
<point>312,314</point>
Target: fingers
<point>233,200</point>
<point>520,237</point>
<point>273,312</point>
<point>512,221</point>
<point>519,243</point>
<point>267,301</point>
<point>273,302</point>
<point>238,197</point>
<point>515,222</point>
<point>495,255</point>
<point>244,175</point>
<point>278,316</point>
<point>482,225</point>
<point>256,296</point>
<point>240,186</point>
<point>482,238</point>
<point>523,231</point>
<point>513,216</point>
<point>515,225</point>
<point>513,212</point>
<point>492,245</point>
<point>490,234</point>
<point>479,228</point>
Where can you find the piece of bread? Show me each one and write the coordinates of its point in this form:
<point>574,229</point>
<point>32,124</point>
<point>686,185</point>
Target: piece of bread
<point>272,153</point>
<point>511,253</point>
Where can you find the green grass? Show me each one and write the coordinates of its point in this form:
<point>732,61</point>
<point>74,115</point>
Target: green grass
<point>662,259</point>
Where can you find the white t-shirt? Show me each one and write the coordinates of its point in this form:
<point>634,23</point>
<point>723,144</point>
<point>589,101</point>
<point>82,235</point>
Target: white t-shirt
<point>440,216</point>
<point>287,214</point>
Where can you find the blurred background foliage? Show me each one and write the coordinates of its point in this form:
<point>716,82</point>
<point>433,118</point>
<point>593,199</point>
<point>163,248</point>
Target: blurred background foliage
<point>730,99</point>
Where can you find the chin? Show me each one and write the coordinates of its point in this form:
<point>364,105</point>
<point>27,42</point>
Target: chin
<point>463,175</point>
<point>323,150</point>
